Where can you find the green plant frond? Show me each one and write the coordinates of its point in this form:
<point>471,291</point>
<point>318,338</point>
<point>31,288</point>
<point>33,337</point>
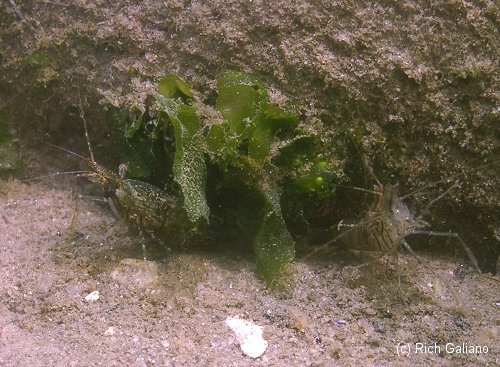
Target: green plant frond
<point>171,86</point>
<point>189,161</point>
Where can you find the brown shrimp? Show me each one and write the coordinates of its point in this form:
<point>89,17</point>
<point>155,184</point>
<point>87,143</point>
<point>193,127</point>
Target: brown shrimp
<point>150,209</point>
<point>386,224</point>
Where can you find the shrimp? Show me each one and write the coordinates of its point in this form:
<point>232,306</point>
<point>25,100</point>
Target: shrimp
<point>149,208</point>
<point>387,223</point>
<point>385,227</point>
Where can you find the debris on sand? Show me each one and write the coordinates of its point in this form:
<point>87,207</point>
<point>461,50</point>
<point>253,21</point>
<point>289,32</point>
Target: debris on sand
<point>249,336</point>
<point>92,296</point>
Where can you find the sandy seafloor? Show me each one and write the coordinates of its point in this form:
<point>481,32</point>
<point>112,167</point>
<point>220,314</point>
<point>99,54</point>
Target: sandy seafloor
<point>170,311</point>
<point>419,78</point>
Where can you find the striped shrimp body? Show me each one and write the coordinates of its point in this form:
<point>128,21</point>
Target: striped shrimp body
<point>386,225</point>
<point>383,227</point>
<point>149,208</point>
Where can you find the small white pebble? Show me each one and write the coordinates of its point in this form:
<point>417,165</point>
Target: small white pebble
<point>165,344</point>
<point>110,331</point>
<point>249,336</point>
<point>92,296</point>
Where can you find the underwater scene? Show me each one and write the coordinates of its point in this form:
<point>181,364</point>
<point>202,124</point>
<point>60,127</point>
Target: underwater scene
<point>236,183</point>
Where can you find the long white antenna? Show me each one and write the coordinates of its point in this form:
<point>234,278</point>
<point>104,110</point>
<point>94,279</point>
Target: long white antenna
<point>367,166</point>
<point>65,150</point>
<point>82,115</point>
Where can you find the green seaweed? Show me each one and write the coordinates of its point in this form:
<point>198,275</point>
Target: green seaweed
<point>189,163</point>
<point>222,145</point>
<point>274,245</point>
<point>255,151</point>
<point>37,58</point>
<point>171,86</point>
<point>318,178</point>
<point>244,143</point>
<point>240,96</point>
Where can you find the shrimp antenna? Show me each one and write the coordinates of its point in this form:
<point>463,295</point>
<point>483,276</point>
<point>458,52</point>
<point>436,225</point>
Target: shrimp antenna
<point>65,150</point>
<point>57,174</point>
<point>448,178</point>
<point>367,165</point>
<point>82,115</point>
<point>357,189</point>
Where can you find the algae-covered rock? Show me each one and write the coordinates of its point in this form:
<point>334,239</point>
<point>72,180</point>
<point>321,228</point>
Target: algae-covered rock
<point>416,82</point>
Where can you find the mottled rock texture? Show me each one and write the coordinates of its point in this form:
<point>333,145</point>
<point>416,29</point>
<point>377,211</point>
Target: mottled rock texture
<point>419,79</point>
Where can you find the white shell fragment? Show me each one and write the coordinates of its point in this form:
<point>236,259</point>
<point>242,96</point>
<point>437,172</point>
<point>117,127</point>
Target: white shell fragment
<point>249,336</point>
<point>92,296</point>
<point>110,331</point>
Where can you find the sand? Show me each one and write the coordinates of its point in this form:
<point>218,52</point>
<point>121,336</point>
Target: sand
<point>170,311</point>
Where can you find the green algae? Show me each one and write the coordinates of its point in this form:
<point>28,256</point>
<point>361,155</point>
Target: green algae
<point>255,150</point>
